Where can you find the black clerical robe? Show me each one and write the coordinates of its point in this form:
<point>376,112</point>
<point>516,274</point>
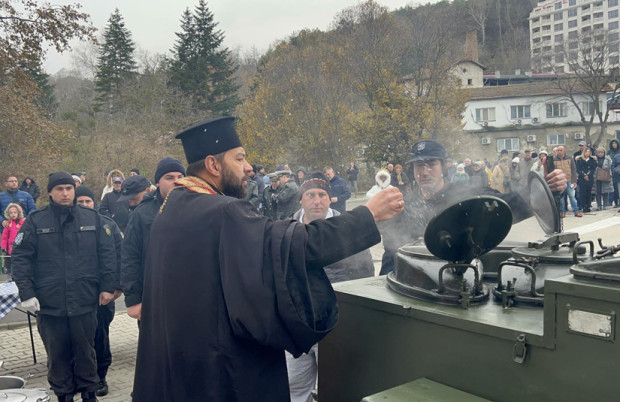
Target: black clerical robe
<point>228,290</point>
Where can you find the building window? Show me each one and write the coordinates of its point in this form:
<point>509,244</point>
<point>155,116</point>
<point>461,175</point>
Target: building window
<point>520,112</point>
<point>559,58</point>
<point>557,16</point>
<point>573,45</point>
<point>556,109</point>
<point>612,14</point>
<point>613,25</point>
<point>572,56</point>
<point>470,82</point>
<point>509,144</point>
<point>586,7</point>
<point>556,139</point>
<point>597,16</point>
<point>614,60</point>
<point>618,134</point>
<point>585,18</point>
<point>559,70</point>
<point>485,114</point>
<point>558,38</point>
<point>559,48</point>
<point>558,5</point>
<point>614,36</point>
<point>573,35</point>
<point>572,2</point>
<point>587,108</point>
<point>612,3</point>
<point>558,27</point>
<point>598,4</point>
<point>572,24</point>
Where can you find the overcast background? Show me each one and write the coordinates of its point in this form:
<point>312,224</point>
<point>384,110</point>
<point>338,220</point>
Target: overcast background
<point>245,23</point>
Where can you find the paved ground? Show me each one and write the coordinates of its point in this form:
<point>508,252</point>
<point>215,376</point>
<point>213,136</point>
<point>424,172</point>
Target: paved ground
<point>16,351</point>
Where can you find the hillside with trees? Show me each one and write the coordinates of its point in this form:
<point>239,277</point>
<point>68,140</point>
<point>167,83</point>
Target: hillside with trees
<point>368,87</point>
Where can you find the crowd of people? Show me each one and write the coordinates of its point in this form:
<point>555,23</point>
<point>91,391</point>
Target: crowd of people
<point>226,267</point>
<point>592,174</point>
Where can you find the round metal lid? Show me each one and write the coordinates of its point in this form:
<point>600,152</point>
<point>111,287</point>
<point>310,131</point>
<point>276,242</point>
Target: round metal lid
<point>468,229</point>
<point>543,205</point>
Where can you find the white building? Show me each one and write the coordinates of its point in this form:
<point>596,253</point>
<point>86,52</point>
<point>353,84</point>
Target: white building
<point>538,115</point>
<point>557,26</point>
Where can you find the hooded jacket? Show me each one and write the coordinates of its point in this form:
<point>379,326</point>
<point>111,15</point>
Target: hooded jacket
<point>108,181</point>
<point>9,234</point>
<point>33,189</point>
<point>612,152</point>
<point>382,178</point>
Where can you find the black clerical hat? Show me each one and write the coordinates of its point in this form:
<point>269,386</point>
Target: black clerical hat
<point>209,137</point>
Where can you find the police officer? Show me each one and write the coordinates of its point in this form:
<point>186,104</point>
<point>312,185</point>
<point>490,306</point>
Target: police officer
<point>85,197</point>
<point>64,264</point>
<point>133,259</point>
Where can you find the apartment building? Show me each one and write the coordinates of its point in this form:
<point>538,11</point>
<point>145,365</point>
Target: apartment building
<point>558,28</point>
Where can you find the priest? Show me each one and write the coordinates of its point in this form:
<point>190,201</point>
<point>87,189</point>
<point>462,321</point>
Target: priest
<point>228,290</point>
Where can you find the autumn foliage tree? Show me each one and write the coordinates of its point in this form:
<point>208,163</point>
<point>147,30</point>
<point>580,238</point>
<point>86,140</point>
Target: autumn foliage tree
<point>29,141</point>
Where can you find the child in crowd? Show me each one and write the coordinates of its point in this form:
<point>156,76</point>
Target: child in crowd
<point>15,215</point>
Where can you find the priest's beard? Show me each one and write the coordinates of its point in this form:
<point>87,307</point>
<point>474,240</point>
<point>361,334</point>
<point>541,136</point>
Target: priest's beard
<point>231,185</point>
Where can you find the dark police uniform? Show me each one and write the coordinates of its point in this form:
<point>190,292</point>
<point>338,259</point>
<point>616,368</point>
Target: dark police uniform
<point>133,256</point>
<point>65,256</point>
<point>105,314</point>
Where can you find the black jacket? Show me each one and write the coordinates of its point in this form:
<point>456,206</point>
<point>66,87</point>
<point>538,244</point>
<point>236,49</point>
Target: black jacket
<point>119,211</point>
<point>268,205</point>
<point>133,255</point>
<point>65,256</point>
<point>33,190</point>
<point>287,199</point>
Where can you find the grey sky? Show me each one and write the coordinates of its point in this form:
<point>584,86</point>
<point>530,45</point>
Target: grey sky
<point>246,23</point>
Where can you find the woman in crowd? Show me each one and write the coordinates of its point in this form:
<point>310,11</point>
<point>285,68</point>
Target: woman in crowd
<point>402,181</point>
<point>501,176</point>
<point>604,186</point>
<point>540,165</point>
<point>586,171</point>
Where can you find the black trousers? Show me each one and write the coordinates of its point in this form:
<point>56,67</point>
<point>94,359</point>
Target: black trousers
<point>585,195</point>
<point>105,315</point>
<point>69,343</point>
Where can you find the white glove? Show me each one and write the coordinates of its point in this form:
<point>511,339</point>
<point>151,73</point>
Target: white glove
<point>32,304</point>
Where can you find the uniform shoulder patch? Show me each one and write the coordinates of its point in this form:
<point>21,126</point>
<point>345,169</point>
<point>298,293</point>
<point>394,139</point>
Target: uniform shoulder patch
<point>107,229</point>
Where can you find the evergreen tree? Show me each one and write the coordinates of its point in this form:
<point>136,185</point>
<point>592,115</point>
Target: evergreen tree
<point>200,67</point>
<point>115,63</point>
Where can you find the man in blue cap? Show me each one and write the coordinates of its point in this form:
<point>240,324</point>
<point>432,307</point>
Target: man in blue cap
<point>432,193</point>
<point>228,290</point>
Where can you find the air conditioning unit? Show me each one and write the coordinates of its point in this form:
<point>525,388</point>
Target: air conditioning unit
<point>535,120</point>
<point>531,138</point>
<point>485,123</point>
<point>578,136</point>
<point>486,141</point>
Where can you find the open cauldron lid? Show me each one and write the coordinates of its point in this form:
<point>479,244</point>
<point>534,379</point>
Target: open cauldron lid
<point>468,229</point>
<point>543,205</point>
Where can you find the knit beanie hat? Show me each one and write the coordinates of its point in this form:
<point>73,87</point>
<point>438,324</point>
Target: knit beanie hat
<point>84,191</point>
<point>168,165</point>
<point>315,180</point>
<point>57,178</point>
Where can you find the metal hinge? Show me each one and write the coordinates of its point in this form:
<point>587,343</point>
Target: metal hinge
<point>519,350</point>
